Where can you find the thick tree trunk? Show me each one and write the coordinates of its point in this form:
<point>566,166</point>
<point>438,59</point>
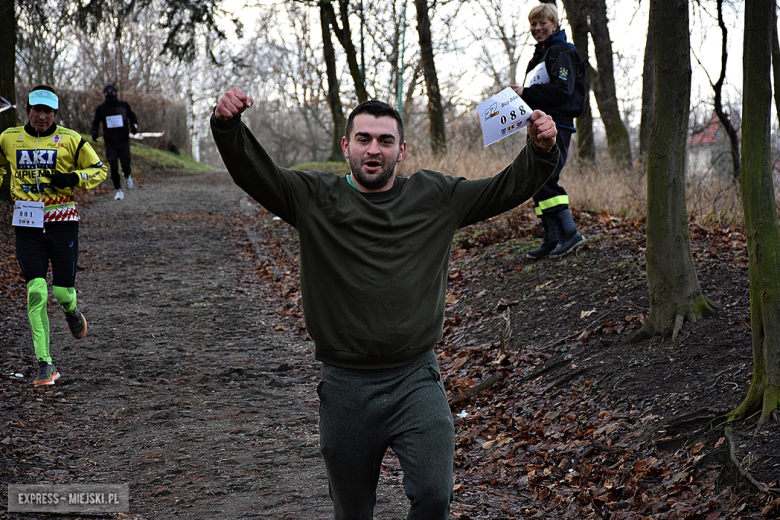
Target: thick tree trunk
<point>604,88</point>
<point>648,95</point>
<point>761,226</point>
<point>578,19</point>
<point>334,100</point>
<point>435,112</point>
<point>344,36</point>
<point>675,293</point>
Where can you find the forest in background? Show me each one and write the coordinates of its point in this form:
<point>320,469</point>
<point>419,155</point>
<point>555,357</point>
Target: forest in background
<point>304,89</point>
<point>190,52</point>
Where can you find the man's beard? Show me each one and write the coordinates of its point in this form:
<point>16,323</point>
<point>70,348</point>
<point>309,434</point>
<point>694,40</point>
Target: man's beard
<point>375,182</point>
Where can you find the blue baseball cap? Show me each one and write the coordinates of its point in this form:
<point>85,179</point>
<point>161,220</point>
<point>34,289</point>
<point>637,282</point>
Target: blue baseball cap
<point>44,97</point>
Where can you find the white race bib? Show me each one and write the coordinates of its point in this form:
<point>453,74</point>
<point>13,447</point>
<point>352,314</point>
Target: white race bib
<point>114,122</point>
<point>28,214</point>
<point>538,76</point>
<point>503,115</point>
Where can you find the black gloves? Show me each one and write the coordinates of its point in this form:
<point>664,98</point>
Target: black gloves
<point>65,180</point>
<point>95,137</point>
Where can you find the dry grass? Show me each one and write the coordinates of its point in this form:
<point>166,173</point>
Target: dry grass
<point>604,187</point>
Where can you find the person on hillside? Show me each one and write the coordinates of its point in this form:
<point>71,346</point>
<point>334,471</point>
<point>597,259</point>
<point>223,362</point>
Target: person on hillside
<point>47,163</point>
<point>558,90</point>
<point>118,121</point>
<point>374,255</point>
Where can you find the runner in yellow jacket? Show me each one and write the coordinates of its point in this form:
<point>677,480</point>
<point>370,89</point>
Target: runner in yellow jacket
<point>47,163</point>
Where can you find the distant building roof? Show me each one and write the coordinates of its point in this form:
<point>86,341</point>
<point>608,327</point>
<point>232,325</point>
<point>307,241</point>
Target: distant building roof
<point>710,134</point>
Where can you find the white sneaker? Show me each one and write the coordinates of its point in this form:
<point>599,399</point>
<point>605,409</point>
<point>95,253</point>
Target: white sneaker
<point>129,182</point>
<point>119,195</point>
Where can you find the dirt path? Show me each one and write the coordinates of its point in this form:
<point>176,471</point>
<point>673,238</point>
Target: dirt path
<point>183,387</point>
<point>195,387</point>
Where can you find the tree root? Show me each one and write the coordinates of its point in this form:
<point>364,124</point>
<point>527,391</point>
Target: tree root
<point>743,467</point>
<point>541,371</point>
<point>733,470</point>
<point>678,323</point>
<point>760,398</point>
<point>714,418</point>
<point>565,379</point>
<point>573,335</point>
<point>642,334</point>
<point>474,390</point>
<point>700,307</point>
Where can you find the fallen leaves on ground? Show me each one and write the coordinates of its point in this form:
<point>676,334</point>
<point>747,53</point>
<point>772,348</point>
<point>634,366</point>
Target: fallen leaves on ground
<point>528,446</point>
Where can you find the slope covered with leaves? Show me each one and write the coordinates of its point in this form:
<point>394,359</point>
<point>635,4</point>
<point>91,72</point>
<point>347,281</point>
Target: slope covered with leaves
<point>557,415</point>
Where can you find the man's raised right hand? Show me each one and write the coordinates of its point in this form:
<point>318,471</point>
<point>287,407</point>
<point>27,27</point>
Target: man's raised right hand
<point>232,103</point>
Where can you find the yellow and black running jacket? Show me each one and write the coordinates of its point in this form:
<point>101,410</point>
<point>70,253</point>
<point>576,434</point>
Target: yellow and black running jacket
<point>32,158</point>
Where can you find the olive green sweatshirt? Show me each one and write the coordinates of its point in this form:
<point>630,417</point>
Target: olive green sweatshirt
<point>374,265</point>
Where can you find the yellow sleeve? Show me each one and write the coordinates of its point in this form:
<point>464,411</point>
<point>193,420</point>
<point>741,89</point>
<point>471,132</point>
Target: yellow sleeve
<point>90,168</point>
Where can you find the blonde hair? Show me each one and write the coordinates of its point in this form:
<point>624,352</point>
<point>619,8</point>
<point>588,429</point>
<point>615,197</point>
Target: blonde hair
<point>546,11</point>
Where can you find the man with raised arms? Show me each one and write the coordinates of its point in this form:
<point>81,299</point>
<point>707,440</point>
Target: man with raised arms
<point>374,255</point>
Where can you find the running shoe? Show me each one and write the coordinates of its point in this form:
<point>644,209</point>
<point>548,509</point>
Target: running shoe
<point>47,374</point>
<point>119,195</point>
<point>76,323</point>
<point>129,180</point>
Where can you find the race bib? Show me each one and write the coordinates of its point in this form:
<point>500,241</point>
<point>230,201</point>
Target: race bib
<point>502,115</point>
<point>28,214</point>
<point>114,122</point>
<point>538,76</point>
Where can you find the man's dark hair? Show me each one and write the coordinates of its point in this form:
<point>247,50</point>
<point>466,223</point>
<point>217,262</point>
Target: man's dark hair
<point>39,87</point>
<point>110,88</point>
<point>376,108</point>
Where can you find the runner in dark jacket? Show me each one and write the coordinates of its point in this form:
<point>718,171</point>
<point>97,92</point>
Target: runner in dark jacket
<point>555,84</point>
<point>118,122</point>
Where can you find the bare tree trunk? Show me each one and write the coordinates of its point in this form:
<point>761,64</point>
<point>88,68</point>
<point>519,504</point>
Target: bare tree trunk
<point>718,88</point>
<point>675,293</point>
<point>8,61</point>
<point>648,95</point>
<point>578,19</point>
<point>411,86</point>
<point>761,226</point>
<point>604,88</point>
<point>344,36</point>
<point>7,75</point>
<point>334,100</point>
<point>435,112</point>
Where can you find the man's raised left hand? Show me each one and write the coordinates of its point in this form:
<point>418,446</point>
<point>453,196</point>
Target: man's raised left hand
<point>542,130</point>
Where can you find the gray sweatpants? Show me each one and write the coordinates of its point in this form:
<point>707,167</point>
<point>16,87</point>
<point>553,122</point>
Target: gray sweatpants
<point>362,412</point>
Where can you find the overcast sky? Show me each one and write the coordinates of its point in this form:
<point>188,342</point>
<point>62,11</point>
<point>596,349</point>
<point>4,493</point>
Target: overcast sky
<point>628,28</point>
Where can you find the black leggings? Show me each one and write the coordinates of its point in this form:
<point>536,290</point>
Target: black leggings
<point>120,151</point>
<point>59,244</point>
